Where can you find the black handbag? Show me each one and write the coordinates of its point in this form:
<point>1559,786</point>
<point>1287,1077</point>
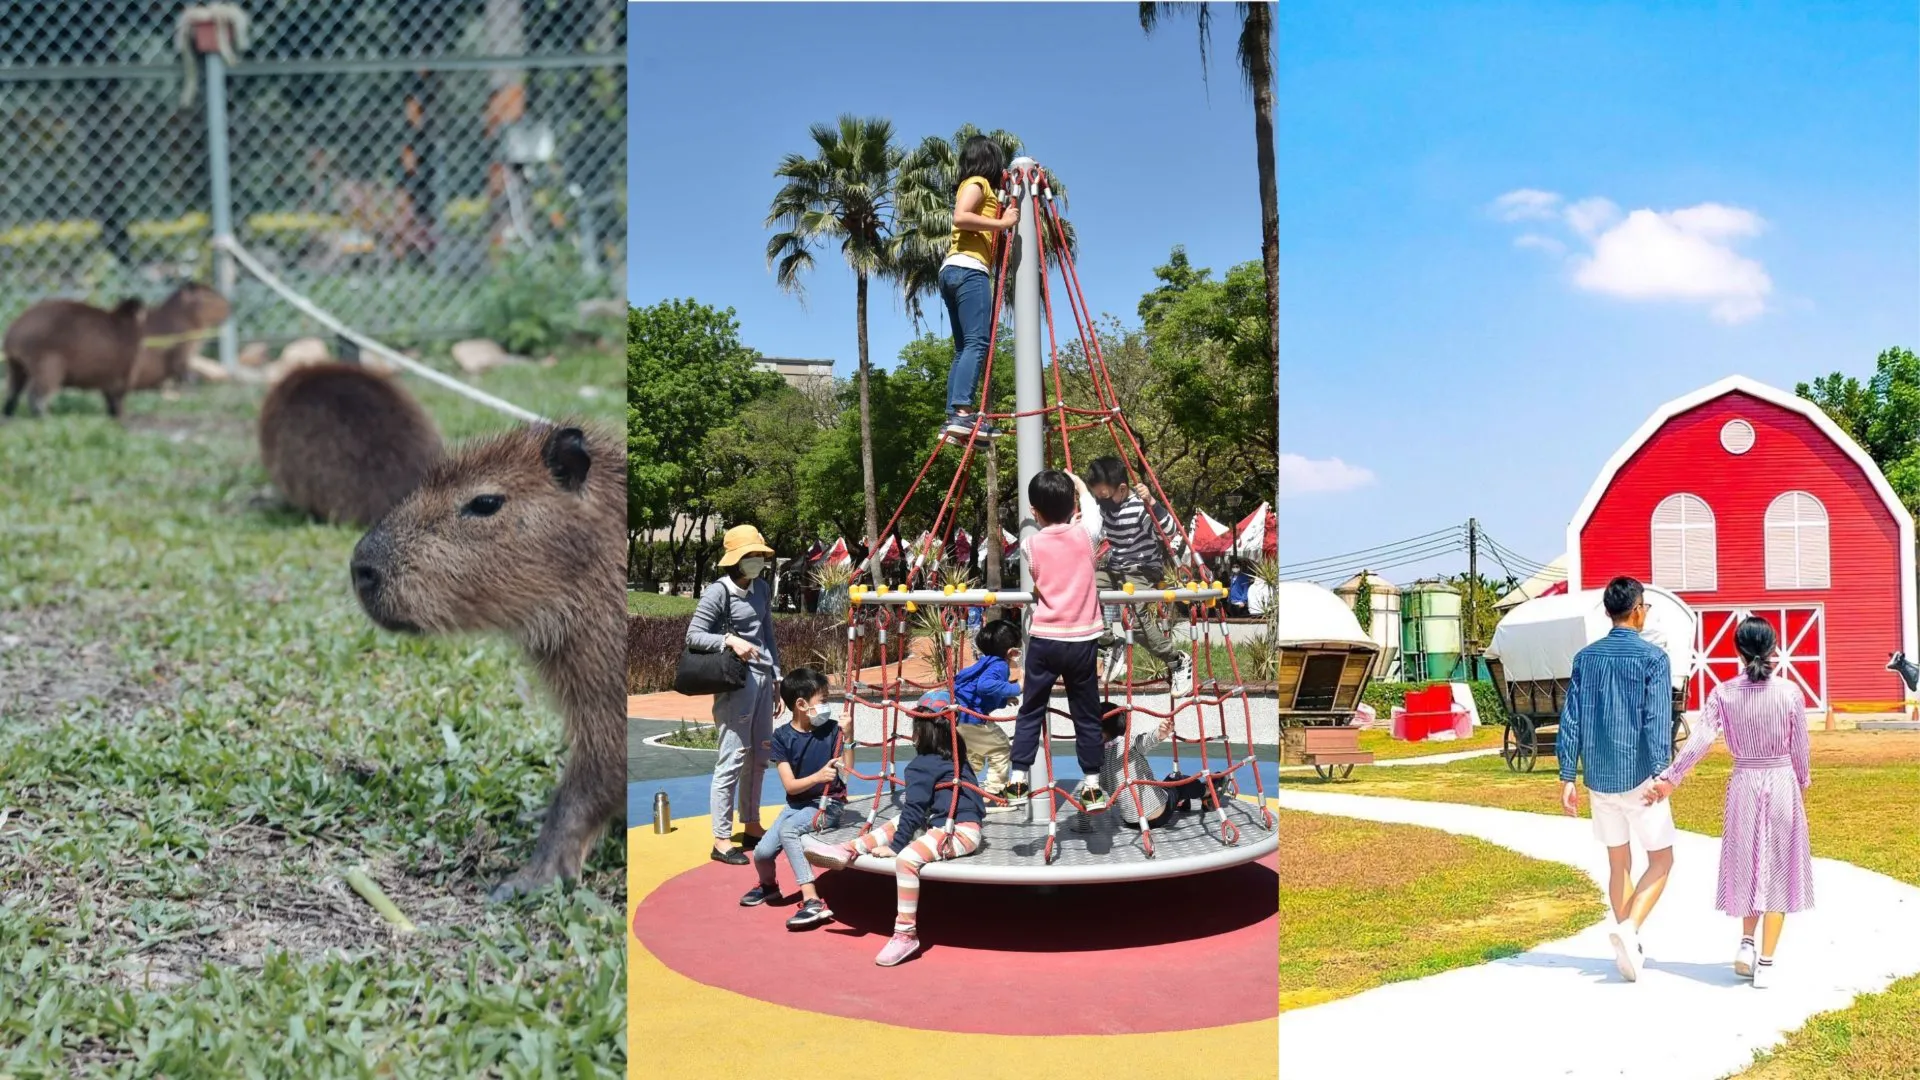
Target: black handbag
<point>710,672</point>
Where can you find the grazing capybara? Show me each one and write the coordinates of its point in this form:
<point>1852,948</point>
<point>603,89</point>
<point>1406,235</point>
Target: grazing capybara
<point>58,343</point>
<point>344,443</point>
<point>191,311</point>
<point>523,533</point>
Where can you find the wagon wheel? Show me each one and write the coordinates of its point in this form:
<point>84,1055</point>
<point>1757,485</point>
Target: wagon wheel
<point>1519,746</point>
<point>1681,733</point>
<point>1326,772</point>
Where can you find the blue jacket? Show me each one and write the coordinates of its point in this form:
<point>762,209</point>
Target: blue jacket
<point>1618,719</point>
<point>983,686</point>
<point>925,805</point>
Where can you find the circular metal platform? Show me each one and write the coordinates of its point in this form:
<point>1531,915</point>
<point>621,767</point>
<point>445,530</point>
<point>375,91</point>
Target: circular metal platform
<point>1088,848</point>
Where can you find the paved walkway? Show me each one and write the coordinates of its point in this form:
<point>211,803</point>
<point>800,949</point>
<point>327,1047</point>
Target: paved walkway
<point>1420,759</point>
<point>1560,1010</point>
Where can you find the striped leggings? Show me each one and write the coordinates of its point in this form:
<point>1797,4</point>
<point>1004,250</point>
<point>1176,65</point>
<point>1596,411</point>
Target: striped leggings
<point>908,861</point>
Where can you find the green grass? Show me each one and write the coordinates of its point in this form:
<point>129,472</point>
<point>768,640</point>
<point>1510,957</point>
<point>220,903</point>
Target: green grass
<point>203,732</point>
<point>1863,807</point>
<point>647,603</point>
<point>1387,748</point>
<point>1365,903</point>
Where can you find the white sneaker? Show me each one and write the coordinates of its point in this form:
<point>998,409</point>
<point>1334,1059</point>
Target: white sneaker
<point>1743,960</point>
<point>1626,950</point>
<point>1182,676</point>
<point>1763,973</point>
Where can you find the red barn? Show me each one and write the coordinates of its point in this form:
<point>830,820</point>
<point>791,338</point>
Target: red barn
<point>1743,498</point>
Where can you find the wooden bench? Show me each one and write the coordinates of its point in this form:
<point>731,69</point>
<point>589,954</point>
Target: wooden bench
<point>1328,750</point>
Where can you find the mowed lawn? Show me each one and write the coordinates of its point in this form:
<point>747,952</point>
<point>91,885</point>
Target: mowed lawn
<point>1364,903</point>
<point>200,733</point>
<point>1863,807</point>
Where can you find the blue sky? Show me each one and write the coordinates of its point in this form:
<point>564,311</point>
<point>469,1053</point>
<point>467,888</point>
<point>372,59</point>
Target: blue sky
<point>719,92</point>
<point>1484,358</point>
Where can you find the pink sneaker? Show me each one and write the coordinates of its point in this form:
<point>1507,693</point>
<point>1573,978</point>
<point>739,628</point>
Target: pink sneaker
<point>899,947</point>
<point>825,855</point>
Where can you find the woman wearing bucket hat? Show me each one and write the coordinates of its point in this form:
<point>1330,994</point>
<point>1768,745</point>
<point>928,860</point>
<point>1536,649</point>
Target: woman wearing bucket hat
<point>734,613</point>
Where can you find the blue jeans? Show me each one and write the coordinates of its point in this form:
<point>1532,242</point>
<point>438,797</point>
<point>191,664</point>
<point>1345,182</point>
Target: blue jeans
<point>969,297</point>
<point>788,828</point>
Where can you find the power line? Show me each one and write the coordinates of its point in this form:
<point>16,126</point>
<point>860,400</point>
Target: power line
<point>1377,551</point>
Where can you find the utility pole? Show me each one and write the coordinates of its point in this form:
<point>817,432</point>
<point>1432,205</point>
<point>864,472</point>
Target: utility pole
<point>1473,596</point>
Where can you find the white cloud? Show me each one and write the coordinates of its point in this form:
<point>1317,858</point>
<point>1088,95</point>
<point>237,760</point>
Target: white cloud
<point>1680,255</point>
<point>1545,243</point>
<point>1319,476</point>
<point>1684,255</point>
<point>1589,216</point>
<point>1526,204</point>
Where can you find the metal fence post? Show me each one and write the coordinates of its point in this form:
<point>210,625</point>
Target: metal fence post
<point>226,278</point>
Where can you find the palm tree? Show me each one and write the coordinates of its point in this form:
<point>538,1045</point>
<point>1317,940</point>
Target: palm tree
<point>844,192</point>
<point>1255,53</point>
<point>929,174</point>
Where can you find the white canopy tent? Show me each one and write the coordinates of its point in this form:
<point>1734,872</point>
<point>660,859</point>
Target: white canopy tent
<point>1538,639</point>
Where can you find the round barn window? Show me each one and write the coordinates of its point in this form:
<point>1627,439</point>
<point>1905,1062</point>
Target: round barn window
<point>1737,436</point>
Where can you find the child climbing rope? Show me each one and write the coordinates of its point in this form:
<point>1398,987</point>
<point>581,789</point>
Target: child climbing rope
<point>1128,516</point>
<point>965,281</point>
<point>1065,630</point>
<point>924,805</point>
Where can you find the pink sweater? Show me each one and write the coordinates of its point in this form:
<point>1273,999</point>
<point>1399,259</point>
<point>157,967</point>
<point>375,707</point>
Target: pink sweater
<point>1066,601</point>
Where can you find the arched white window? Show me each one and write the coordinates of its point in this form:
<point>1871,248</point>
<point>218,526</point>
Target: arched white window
<point>1797,543</point>
<point>1684,557</point>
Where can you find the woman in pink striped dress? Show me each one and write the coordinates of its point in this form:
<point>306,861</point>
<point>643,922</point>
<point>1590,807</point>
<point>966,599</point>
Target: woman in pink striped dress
<point>1766,865</point>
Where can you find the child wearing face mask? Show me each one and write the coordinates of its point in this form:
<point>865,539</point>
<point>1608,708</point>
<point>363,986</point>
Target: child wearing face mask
<point>809,755</point>
<point>1134,524</point>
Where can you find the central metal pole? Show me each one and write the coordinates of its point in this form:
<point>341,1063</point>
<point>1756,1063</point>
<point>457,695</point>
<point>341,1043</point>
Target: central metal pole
<point>219,177</point>
<point>1029,429</point>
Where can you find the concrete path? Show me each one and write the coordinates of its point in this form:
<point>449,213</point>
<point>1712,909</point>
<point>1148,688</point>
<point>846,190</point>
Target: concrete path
<point>1561,1010</point>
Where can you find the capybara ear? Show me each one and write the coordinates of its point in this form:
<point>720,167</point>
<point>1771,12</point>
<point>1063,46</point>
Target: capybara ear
<point>567,458</point>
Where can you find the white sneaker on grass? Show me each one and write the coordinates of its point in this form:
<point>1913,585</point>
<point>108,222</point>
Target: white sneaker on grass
<point>1626,950</point>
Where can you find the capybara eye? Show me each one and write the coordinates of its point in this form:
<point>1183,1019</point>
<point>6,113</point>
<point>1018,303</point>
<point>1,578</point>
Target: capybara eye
<point>483,506</point>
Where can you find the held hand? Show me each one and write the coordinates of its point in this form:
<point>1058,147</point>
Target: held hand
<point>1140,489</point>
<point>1570,799</point>
<point>882,853</point>
<point>1660,790</point>
<point>1010,217</point>
<point>1166,729</point>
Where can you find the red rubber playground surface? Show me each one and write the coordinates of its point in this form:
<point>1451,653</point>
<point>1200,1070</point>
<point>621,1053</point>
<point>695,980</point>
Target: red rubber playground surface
<point>1153,978</point>
<point>1122,947</point>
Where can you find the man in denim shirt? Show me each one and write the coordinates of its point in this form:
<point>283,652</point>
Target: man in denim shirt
<point>1618,721</point>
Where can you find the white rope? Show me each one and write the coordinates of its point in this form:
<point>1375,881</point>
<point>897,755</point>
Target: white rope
<point>307,308</point>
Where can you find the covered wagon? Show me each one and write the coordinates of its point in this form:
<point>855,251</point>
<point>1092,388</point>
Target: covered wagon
<point>1531,661</point>
<point>1326,661</point>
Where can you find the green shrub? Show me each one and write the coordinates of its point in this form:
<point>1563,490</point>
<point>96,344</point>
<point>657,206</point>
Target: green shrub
<point>531,302</point>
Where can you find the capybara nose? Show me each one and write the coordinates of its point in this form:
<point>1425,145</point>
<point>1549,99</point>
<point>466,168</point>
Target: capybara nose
<point>366,581</point>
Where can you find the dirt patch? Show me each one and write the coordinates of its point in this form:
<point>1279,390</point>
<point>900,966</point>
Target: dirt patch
<point>1343,853</point>
<point>1863,748</point>
<point>52,665</point>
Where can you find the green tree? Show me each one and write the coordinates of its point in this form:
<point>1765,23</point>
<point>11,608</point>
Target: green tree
<point>843,193</point>
<point>929,177</point>
<point>1254,51</point>
<point>756,461</point>
<point>687,375</point>
<point>1363,603</point>
<point>1882,415</point>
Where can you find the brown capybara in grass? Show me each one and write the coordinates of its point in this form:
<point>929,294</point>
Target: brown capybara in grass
<point>523,533</point>
<point>189,315</point>
<point>344,443</point>
<point>58,343</point>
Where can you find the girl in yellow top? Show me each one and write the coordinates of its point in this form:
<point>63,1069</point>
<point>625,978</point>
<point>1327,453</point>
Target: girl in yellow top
<point>965,283</point>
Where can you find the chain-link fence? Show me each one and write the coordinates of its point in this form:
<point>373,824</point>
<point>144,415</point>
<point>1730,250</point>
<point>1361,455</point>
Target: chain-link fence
<point>406,164</point>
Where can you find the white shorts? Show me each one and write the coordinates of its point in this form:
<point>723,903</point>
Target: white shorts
<point>1626,814</point>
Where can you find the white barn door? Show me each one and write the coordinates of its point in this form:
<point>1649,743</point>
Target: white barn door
<point>1802,657</point>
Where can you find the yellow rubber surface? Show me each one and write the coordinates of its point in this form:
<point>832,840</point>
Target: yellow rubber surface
<point>679,1029</point>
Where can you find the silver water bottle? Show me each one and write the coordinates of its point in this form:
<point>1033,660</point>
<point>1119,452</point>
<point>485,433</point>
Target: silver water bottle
<point>662,813</point>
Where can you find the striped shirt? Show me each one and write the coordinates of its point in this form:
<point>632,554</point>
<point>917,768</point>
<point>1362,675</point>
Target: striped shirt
<point>1133,543</point>
<point>1123,764</point>
<point>1618,718</point>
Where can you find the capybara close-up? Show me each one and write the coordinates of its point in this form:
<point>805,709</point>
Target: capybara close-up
<point>65,343</point>
<point>344,443</point>
<point>174,332</point>
<point>523,533</point>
